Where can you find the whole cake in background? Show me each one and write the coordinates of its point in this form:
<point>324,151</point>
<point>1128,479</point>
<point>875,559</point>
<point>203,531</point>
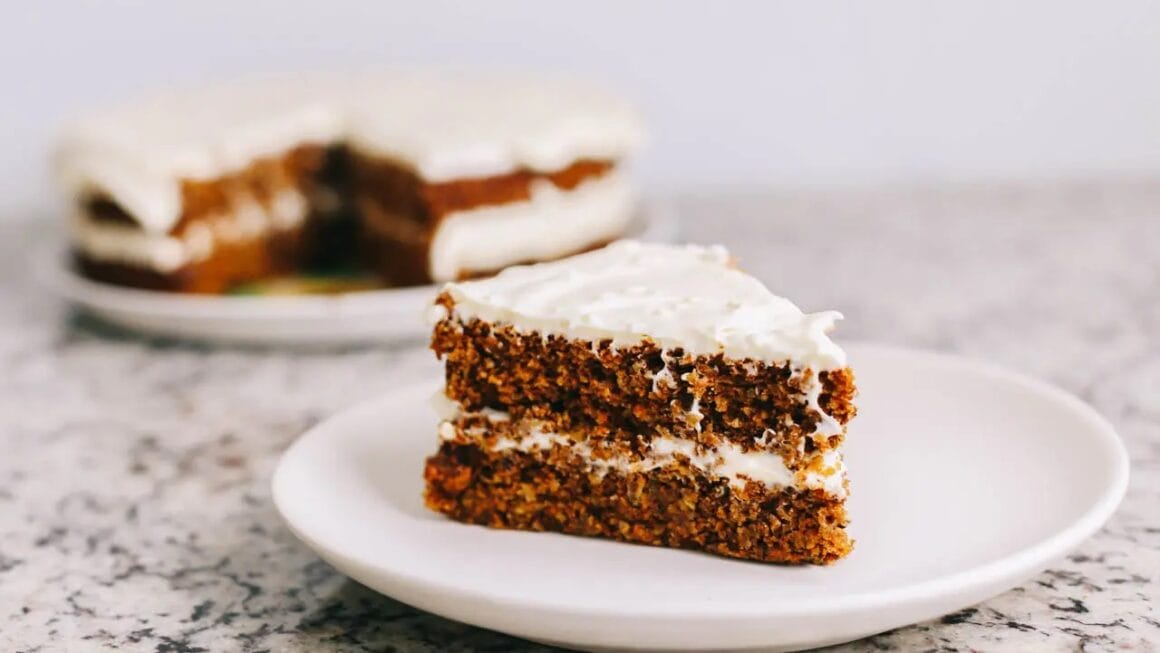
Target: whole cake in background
<point>646,393</point>
<point>414,178</point>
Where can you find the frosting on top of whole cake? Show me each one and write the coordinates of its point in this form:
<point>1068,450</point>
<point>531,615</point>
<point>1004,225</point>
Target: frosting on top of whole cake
<point>678,296</point>
<point>444,127</point>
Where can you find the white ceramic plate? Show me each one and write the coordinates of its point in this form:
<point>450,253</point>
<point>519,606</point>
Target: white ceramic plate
<point>967,480</point>
<point>371,316</point>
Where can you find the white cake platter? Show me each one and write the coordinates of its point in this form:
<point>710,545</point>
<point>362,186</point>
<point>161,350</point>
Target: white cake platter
<point>352,318</point>
<point>966,480</point>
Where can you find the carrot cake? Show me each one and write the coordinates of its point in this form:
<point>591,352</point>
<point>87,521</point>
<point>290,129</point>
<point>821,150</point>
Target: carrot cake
<point>413,177</point>
<point>645,393</point>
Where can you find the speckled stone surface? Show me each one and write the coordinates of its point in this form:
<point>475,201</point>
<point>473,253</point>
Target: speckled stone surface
<point>134,504</point>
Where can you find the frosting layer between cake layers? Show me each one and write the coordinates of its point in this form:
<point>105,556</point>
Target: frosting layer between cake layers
<point>825,471</point>
<point>442,127</point>
<point>552,223</point>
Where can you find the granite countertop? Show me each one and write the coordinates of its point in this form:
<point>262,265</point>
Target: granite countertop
<point>135,510</point>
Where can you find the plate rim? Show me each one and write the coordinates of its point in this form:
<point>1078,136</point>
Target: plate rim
<point>1020,564</point>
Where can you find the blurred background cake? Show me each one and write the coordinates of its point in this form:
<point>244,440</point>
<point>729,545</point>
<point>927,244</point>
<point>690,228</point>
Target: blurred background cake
<point>413,178</point>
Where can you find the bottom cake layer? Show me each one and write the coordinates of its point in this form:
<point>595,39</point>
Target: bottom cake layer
<point>230,265</point>
<point>675,506</point>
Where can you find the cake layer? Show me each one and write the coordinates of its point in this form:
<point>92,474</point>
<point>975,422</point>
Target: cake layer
<point>677,505</point>
<point>237,212</point>
<point>610,391</point>
<point>229,264</point>
<point>418,233</point>
<point>424,231</point>
<point>551,223</point>
<point>389,187</point>
<point>443,198</point>
<point>443,128</point>
<point>498,431</point>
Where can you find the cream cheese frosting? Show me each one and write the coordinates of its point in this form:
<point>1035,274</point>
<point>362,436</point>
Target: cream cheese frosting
<point>117,243</point>
<point>443,127</point>
<point>726,460</point>
<point>552,223</point>
<point>688,297</point>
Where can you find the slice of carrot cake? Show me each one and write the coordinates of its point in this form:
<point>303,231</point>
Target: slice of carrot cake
<point>645,393</point>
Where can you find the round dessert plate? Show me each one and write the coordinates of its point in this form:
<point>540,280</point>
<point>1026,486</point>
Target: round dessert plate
<point>966,480</point>
<point>358,317</point>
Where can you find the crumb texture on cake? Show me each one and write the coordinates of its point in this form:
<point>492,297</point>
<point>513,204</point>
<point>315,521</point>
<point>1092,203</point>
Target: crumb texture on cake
<point>675,506</point>
<point>646,393</point>
<point>619,392</point>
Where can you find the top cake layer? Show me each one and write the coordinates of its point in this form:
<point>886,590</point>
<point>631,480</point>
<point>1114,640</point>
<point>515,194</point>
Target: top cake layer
<point>444,128</point>
<point>687,297</point>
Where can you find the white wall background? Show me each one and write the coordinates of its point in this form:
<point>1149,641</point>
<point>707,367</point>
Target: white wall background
<point>738,93</point>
